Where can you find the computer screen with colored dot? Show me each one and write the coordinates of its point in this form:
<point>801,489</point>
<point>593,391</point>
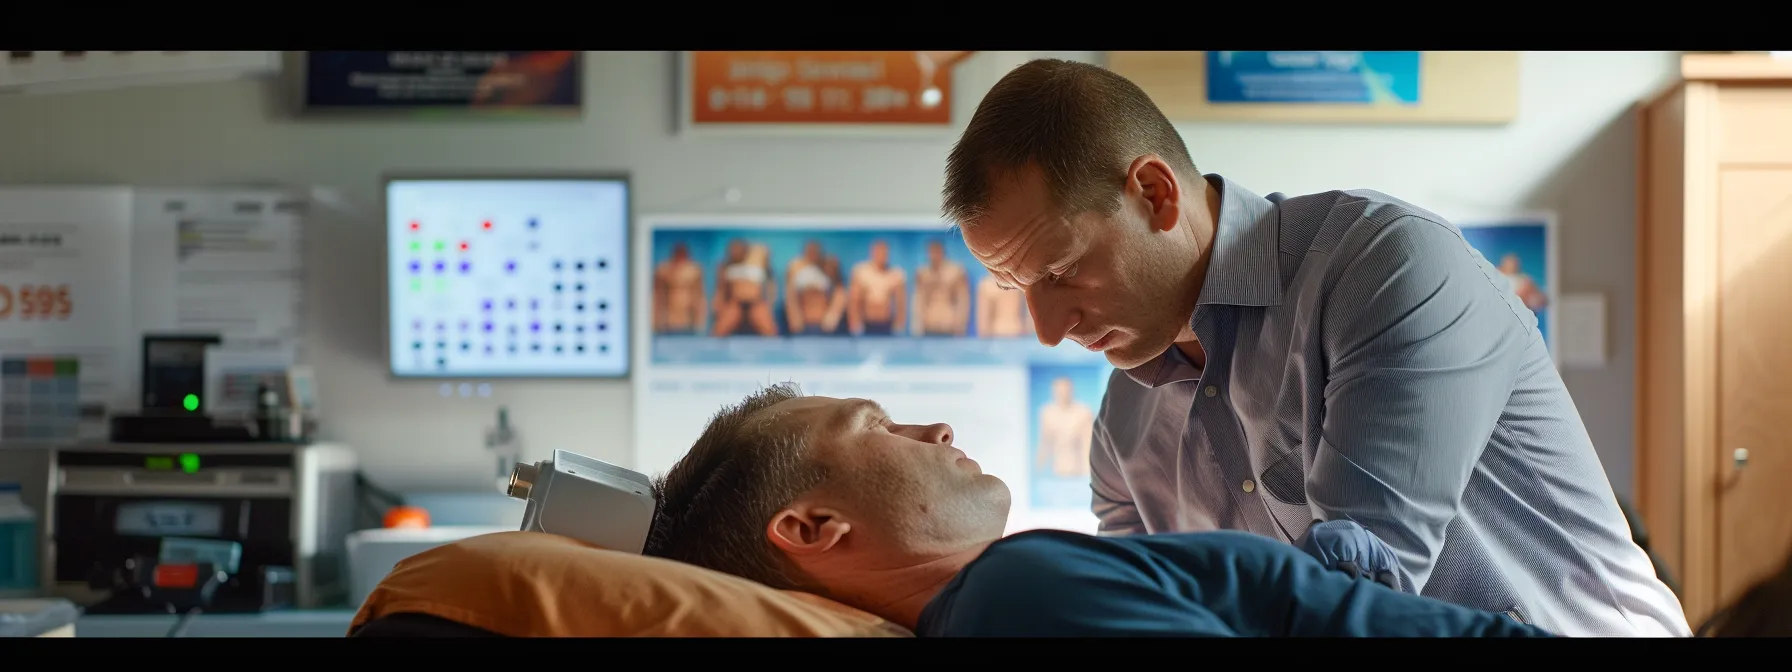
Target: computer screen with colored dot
<point>508,278</point>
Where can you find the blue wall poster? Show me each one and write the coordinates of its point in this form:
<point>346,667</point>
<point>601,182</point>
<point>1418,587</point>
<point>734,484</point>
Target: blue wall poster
<point>542,81</point>
<point>1523,250</point>
<point>1384,78</point>
<point>894,310</point>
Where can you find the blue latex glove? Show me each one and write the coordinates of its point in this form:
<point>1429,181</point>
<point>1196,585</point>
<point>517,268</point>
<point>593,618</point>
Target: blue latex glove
<point>1346,546</point>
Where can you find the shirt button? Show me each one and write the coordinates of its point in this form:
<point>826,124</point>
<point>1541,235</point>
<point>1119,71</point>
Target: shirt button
<point>1249,486</point>
<point>1211,390</point>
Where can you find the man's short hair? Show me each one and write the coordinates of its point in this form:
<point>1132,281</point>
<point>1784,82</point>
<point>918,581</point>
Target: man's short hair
<point>1080,124</point>
<point>715,503</point>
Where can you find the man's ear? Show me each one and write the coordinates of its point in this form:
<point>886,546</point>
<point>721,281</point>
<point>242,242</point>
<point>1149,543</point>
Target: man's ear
<point>1157,184</point>
<point>805,530</point>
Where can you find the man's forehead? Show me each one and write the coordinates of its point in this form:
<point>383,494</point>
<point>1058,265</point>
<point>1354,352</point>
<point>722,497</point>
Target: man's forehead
<point>1019,214</point>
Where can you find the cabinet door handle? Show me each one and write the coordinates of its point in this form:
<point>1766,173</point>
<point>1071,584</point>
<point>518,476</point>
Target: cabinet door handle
<point>1740,458</point>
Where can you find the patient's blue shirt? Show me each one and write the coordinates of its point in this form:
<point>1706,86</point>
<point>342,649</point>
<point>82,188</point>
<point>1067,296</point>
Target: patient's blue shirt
<point>1201,584</point>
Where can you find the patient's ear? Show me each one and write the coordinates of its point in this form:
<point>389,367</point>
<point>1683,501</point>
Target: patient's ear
<point>802,529</point>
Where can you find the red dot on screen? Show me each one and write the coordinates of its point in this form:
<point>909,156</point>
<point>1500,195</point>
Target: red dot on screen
<point>463,247</point>
<point>415,226</point>
<point>487,225</point>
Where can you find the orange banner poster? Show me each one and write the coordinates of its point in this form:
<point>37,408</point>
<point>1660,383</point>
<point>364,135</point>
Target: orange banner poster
<point>881,88</point>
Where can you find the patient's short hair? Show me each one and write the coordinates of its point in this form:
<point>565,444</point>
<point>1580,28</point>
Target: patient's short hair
<point>714,504</point>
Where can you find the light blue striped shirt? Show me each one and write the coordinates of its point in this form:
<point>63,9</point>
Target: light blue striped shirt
<point>1365,363</point>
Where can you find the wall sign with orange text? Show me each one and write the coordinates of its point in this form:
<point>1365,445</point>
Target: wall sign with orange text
<point>35,302</point>
<point>66,294</point>
<point>818,88</point>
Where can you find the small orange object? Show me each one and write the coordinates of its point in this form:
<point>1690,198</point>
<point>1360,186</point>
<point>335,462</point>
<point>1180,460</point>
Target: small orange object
<point>407,516</point>
<point>176,576</point>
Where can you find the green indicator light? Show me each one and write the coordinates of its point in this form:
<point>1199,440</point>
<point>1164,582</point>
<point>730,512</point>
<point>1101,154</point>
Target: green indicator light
<point>189,462</point>
<point>191,402</point>
<point>416,246</point>
<point>159,463</point>
<point>441,246</point>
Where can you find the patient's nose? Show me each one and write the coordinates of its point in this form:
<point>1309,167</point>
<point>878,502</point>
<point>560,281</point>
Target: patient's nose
<point>939,432</point>
<point>935,433</point>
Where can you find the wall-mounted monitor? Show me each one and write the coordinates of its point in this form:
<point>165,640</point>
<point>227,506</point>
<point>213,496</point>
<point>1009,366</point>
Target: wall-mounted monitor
<point>508,277</point>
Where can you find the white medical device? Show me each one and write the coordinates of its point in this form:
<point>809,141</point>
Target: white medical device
<point>586,499</point>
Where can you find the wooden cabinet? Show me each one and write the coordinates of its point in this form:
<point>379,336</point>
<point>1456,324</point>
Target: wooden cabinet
<point>1714,362</point>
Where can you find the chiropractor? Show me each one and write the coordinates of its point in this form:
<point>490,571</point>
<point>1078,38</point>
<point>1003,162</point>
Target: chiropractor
<point>1300,366</point>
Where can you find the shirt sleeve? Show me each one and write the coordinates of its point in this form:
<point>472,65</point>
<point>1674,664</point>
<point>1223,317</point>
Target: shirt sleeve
<point>1424,345</point>
<point>1202,584</point>
<point>1111,499</point>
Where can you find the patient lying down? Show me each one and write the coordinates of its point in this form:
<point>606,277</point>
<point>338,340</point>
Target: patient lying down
<point>833,497</point>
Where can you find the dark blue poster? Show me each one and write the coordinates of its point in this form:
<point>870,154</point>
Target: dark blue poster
<point>436,80</point>
<point>1376,78</point>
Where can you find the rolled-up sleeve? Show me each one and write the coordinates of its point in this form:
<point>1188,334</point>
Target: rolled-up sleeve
<point>1424,347</point>
<point>1112,500</point>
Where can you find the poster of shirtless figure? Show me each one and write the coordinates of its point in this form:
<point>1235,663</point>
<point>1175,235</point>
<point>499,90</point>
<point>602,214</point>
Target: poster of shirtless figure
<point>1063,399</point>
<point>826,294</point>
<point>895,309</point>
<point>1522,250</point>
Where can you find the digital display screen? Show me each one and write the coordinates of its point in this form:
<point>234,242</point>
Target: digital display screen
<point>170,518</point>
<point>508,278</point>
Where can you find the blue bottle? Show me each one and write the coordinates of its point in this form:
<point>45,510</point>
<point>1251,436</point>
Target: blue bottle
<point>18,544</point>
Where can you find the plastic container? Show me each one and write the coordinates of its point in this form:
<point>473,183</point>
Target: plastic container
<point>18,544</point>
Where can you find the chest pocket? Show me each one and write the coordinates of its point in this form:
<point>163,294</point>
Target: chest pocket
<point>1284,486</point>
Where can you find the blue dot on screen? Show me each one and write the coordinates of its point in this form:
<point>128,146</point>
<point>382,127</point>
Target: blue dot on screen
<point>466,267</point>
<point>533,223</point>
<point>416,266</point>
<point>511,266</point>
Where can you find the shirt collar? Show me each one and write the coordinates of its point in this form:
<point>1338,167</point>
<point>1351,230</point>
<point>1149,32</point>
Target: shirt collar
<point>1243,270</point>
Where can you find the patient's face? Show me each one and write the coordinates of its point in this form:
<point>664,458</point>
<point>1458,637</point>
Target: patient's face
<point>899,487</point>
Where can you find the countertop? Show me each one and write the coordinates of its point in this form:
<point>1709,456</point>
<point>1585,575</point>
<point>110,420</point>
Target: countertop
<point>296,623</point>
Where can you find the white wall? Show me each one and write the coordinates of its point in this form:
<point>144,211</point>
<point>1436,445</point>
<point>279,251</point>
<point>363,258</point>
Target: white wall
<point>1572,150</point>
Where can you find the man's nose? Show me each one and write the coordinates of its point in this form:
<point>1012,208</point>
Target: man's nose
<point>938,432</point>
<point>1050,323</point>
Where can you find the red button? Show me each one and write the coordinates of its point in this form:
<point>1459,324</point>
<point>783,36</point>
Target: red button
<point>176,576</point>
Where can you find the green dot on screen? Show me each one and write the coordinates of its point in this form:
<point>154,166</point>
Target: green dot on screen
<point>441,246</point>
<point>416,285</point>
<point>441,285</point>
<point>191,402</point>
<point>415,246</point>
<point>189,462</point>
